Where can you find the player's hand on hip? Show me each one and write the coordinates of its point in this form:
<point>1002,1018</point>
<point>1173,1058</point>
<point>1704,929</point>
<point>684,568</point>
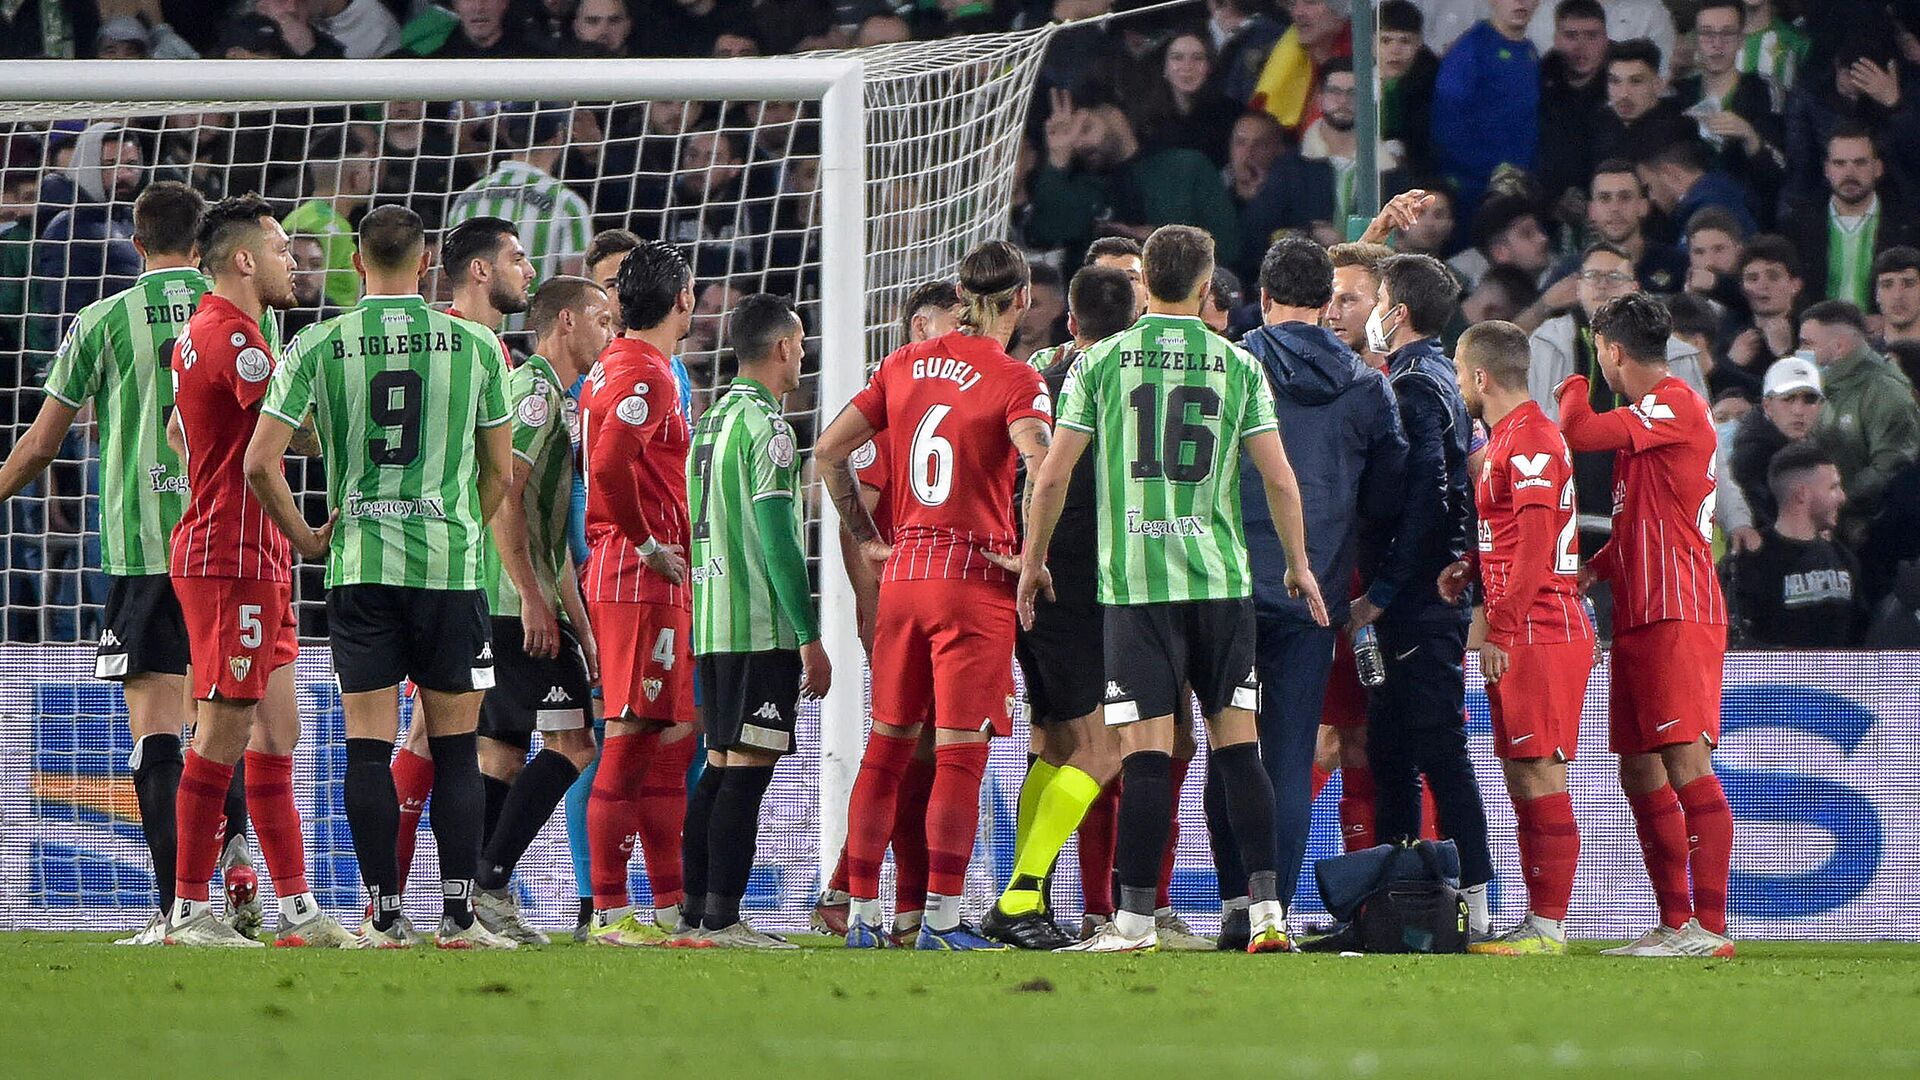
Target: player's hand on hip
<point>816,671</point>
<point>1301,585</point>
<point>876,551</point>
<point>1453,581</point>
<point>540,631</point>
<point>1009,563</point>
<point>668,562</point>
<point>1493,662</point>
<point>1035,581</point>
<point>1585,579</point>
<point>317,540</point>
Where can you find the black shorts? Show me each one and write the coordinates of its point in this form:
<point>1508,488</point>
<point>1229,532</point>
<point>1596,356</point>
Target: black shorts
<point>1154,650</point>
<point>752,699</point>
<point>145,633</point>
<point>533,693</point>
<point>1061,663</point>
<point>381,634</point>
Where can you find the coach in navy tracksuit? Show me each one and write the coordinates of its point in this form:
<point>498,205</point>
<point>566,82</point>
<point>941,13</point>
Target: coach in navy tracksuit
<point>1342,434</point>
<point>1415,724</point>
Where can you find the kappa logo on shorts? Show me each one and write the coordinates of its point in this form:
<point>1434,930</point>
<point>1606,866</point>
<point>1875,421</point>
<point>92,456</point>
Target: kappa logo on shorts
<point>108,640</point>
<point>652,688</point>
<point>486,652</point>
<point>1115,692</point>
<point>240,665</point>
<point>768,711</point>
<point>555,696</point>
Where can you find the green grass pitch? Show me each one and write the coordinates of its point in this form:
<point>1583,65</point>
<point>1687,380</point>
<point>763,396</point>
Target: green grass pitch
<point>74,1005</point>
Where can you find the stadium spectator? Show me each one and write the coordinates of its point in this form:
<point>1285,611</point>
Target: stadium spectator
<point>340,178</point>
<point>883,28</point>
<point>735,42</point>
<point>1738,112</point>
<point>601,28</point>
<point>1408,71</point>
<point>1508,231</point>
<point>1859,86</point>
<point>1896,294</point>
<point>1097,175</point>
<point>1865,213</point>
<point>1788,413</point>
<point>1871,425</point>
<point>1432,231</point>
<point>1697,326</point>
<point>19,192</point>
<point>85,250</point>
<point>686,27</point>
<point>1217,308</point>
<point>1255,144</point>
<point>1289,82</point>
<point>1242,34</point>
<point>126,37</point>
<point>416,160</point>
<point>1310,188</point>
<point>1503,293</point>
<point>1772,46</point>
<point>1486,100</point>
<point>1682,180</point>
<point>1801,589</point>
<point>250,35</point>
<point>1627,20</point>
<point>1771,286</point>
<point>1715,244</point>
<point>309,285</point>
<point>710,308</point>
<point>1045,319</point>
<point>365,29</point>
<point>1617,209</point>
<point>295,20</point>
<point>485,29</point>
<point>1181,108</point>
<point>704,215</point>
<point>1573,98</point>
<point>1639,118</point>
<point>554,221</point>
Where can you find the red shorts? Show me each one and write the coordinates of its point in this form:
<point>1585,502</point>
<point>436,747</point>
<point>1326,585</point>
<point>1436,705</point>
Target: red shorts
<point>1346,704</point>
<point>239,631</point>
<point>945,646</point>
<point>1536,704</point>
<point>646,663</point>
<point>1666,685</point>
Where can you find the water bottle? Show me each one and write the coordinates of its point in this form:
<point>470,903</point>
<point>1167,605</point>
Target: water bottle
<point>1367,657</point>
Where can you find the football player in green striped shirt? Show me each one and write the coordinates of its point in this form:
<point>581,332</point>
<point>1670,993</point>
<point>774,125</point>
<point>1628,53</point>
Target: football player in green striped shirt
<point>553,220</point>
<point>117,357</point>
<point>410,405</point>
<point>543,647</point>
<point>754,633</point>
<point>1167,406</point>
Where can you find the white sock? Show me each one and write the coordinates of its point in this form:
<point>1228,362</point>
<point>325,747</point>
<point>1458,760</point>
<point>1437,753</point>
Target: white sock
<point>1265,912</point>
<point>1479,918</point>
<point>1238,903</point>
<point>906,920</point>
<point>299,910</point>
<point>1163,913</point>
<point>1553,928</point>
<point>667,917</point>
<point>864,912</point>
<point>1132,924</point>
<point>942,913</point>
<point>834,896</point>
<point>612,915</point>
<point>185,910</point>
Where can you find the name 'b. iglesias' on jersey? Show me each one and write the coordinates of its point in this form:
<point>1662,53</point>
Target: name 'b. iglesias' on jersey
<point>635,439</point>
<point>1528,468</point>
<point>1168,403</point>
<point>945,405</point>
<point>221,370</point>
<point>394,386</point>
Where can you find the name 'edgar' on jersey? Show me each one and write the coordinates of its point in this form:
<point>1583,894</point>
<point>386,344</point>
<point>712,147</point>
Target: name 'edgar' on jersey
<point>1528,466</point>
<point>1168,403</point>
<point>397,390</point>
<point>117,354</point>
<point>945,405</point>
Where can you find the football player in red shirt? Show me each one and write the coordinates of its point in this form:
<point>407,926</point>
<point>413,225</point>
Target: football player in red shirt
<point>1539,644</point>
<point>1669,618</point>
<point>963,414</point>
<point>233,573</point>
<point>635,439</point>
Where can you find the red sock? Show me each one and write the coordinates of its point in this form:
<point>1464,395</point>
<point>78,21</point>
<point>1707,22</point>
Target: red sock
<point>1550,852</point>
<point>1097,831</point>
<point>663,814</point>
<point>1662,826</point>
<point>1320,778</point>
<point>876,791</point>
<point>413,781</point>
<point>200,823</point>
<point>1356,807</point>
<point>1173,835</point>
<point>613,814</point>
<point>276,820</point>
<point>953,815</point>
<point>910,837</point>
<point>838,882</point>
<point>1429,813</point>
<point>1710,849</point>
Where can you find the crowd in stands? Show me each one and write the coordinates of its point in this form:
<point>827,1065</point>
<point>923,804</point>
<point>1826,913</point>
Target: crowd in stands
<point>1754,162</point>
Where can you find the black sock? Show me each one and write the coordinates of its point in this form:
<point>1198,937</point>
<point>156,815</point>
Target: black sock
<point>694,840</point>
<point>156,783</point>
<point>586,911</point>
<point>236,803</point>
<point>1146,804</point>
<point>527,805</point>
<point>1249,799</point>
<point>1220,837</point>
<point>494,792</point>
<point>735,831</point>
<point>373,816</point>
<point>458,804</point>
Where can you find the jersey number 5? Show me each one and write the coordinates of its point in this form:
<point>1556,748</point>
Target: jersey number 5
<point>394,399</point>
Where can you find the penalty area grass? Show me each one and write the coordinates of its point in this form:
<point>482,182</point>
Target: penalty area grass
<point>75,1005</point>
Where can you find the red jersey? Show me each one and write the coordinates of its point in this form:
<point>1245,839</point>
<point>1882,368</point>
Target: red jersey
<point>949,402</point>
<point>1529,549</point>
<point>635,441</point>
<point>1660,558</point>
<point>872,464</point>
<point>220,371</point>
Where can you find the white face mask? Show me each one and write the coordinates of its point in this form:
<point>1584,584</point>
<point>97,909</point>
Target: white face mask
<point>1378,339</point>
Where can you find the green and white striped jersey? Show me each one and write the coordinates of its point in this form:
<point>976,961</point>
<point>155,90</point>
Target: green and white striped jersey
<point>119,354</point>
<point>1776,52</point>
<point>397,391</point>
<point>1168,403</point>
<point>743,454</point>
<point>541,440</point>
<point>555,223</point>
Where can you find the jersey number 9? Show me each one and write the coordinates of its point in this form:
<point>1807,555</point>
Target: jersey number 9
<point>394,399</point>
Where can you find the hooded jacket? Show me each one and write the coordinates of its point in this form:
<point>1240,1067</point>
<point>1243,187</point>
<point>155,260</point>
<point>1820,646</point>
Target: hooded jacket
<point>1869,424</point>
<point>1349,454</point>
<point>1436,514</point>
<point>86,250</point>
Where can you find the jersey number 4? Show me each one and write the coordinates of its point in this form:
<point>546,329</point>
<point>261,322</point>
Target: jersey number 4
<point>1180,450</point>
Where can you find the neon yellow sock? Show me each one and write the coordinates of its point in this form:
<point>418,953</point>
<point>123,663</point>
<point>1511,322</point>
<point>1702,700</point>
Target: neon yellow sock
<point>1060,807</point>
<point>1039,775</point>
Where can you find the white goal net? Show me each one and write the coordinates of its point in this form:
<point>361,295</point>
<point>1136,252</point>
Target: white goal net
<point>841,179</point>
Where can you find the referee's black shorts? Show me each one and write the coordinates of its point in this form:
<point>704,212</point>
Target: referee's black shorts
<point>1061,662</point>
